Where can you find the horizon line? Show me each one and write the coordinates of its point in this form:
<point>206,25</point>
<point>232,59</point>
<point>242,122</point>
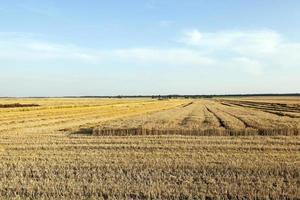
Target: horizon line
<point>160,95</point>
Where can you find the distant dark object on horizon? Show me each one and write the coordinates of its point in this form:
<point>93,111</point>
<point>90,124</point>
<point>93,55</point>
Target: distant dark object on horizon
<point>17,105</point>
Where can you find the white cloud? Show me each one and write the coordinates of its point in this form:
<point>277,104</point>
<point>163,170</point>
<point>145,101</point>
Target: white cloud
<point>247,65</point>
<point>24,47</point>
<point>38,46</point>
<point>253,53</point>
<point>193,37</point>
<point>34,50</point>
<point>179,56</point>
<point>243,42</point>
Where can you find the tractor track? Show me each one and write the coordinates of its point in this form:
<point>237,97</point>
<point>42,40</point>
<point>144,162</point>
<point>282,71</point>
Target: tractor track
<point>222,124</point>
<point>246,124</point>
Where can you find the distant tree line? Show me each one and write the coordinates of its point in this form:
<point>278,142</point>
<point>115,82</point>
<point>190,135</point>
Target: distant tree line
<point>177,96</point>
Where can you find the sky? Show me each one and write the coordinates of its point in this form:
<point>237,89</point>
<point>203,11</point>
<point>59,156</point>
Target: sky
<point>149,47</point>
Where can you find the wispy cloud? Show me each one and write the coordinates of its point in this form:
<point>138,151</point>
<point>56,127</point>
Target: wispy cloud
<point>254,53</point>
<point>254,50</point>
<point>166,23</point>
<point>174,56</point>
<point>261,41</point>
<point>20,47</point>
<point>151,4</point>
<point>192,37</point>
<point>25,47</point>
<point>41,8</point>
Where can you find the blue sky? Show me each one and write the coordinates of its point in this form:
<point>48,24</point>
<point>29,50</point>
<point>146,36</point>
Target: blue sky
<point>94,47</point>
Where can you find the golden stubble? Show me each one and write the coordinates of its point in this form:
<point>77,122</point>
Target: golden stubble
<point>48,152</point>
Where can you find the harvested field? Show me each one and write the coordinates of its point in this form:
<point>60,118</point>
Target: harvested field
<point>149,149</point>
<point>210,117</point>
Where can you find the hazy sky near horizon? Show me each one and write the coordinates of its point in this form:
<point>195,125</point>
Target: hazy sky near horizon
<point>140,47</point>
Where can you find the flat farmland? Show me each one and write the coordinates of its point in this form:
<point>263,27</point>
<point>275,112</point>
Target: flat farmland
<point>212,117</point>
<point>229,148</point>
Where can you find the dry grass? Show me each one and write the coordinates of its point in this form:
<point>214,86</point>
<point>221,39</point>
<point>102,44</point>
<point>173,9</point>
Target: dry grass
<point>207,117</point>
<point>41,157</point>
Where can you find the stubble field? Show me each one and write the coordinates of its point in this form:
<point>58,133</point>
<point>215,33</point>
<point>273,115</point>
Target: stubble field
<point>229,148</point>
